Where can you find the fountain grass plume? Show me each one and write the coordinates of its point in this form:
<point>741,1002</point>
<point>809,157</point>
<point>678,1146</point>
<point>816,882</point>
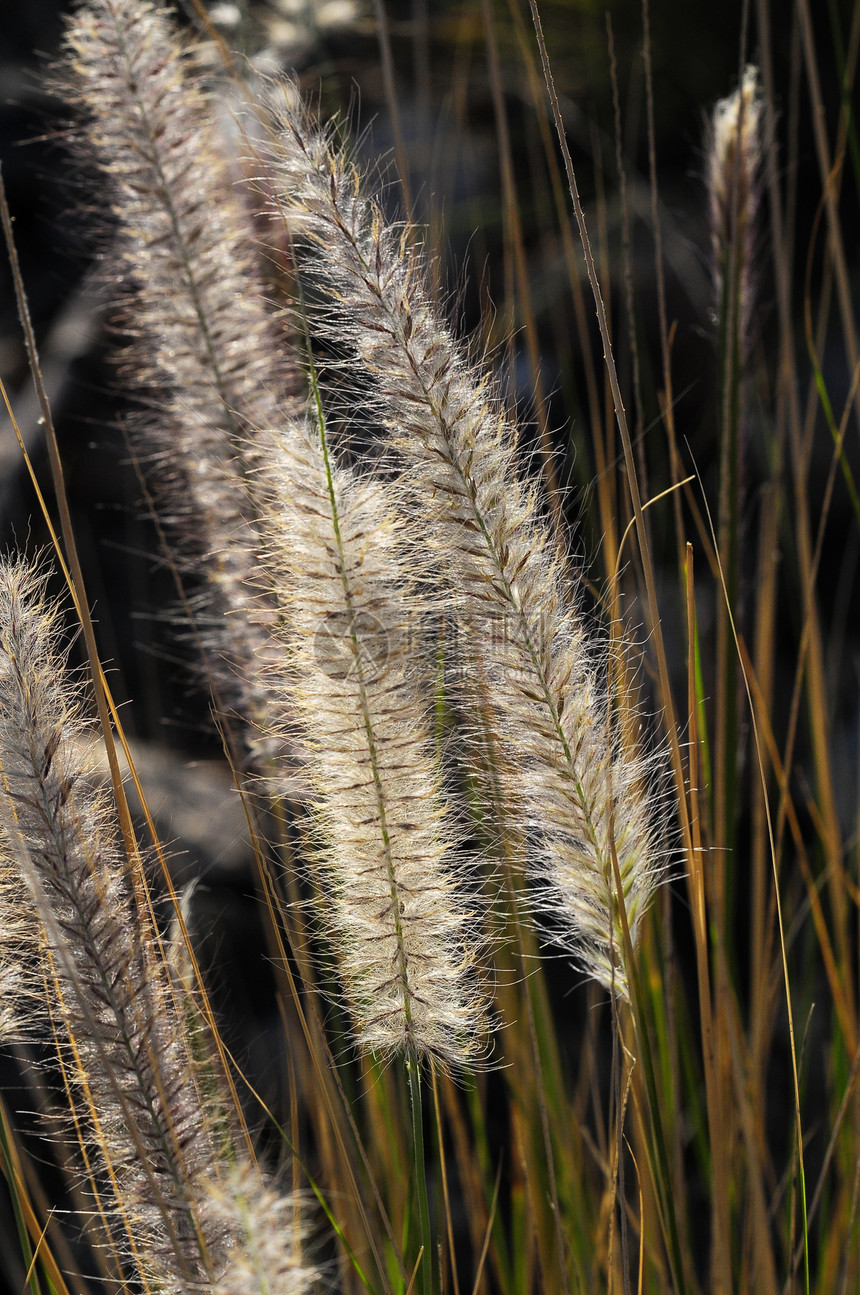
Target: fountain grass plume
<point>135,1076</point>
<point>208,358</point>
<point>393,892</point>
<point>734,181</point>
<point>163,1153</point>
<point>578,795</point>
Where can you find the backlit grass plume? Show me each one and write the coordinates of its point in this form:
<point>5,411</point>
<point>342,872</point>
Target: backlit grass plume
<point>580,799</point>
<point>161,1151</point>
<point>208,356</point>
<point>734,180</point>
<point>392,895</point>
<point>207,335</point>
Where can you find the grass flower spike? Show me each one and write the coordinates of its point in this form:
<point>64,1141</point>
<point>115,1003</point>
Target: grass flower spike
<point>208,357</point>
<point>114,1002</point>
<point>160,1155</point>
<point>404,938</point>
<point>577,796</point>
<point>734,179</point>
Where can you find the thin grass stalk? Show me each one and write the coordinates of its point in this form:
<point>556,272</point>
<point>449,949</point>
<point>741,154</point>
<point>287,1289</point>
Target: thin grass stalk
<point>427,1257</point>
<point>667,403</point>
<point>382,1098</point>
<point>25,1218</point>
<point>383,32</point>
<point>54,1250</point>
<point>836,242</point>
<point>761,932</point>
<point>626,248</point>
<point>798,1175</point>
<point>752,1108</point>
<point>846,66</point>
<point>446,1194</point>
<point>516,252</point>
<point>474,1172</point>
<point>600,478</point>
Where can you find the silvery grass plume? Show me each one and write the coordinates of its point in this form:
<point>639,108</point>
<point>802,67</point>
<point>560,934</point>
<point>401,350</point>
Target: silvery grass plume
<point>733,175</point>
<point>162,1152</point>
<point>572,789</point>
<point>393,890</point>
<point>208,355</point>
<point>269,1258</point>
<point>206,335</point>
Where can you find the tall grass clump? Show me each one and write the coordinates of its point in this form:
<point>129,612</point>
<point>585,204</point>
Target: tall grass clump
<point>550,865</point>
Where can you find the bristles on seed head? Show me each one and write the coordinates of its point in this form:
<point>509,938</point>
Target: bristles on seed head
<point>571,776</point>
<point>394,896</point>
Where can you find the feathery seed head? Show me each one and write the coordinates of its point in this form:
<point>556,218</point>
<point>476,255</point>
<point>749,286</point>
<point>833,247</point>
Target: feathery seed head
<point>393,891</point>
<point>576,794</point>
<point>184,1196</point>
<point>734,187</point>
<point>208,353</point>
<point>137,1088</point>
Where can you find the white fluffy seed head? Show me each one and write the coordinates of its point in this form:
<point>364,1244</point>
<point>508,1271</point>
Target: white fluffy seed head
<point>209,359</point>
<point>577,794</point>
<point>393,892</point>
<point>137,1092</point>
<point>190,1214</point>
